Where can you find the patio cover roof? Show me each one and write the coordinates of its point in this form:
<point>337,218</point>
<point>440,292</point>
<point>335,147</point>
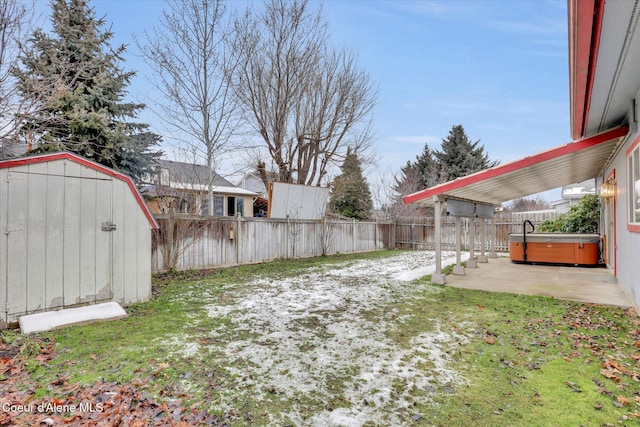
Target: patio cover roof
<point>567,164</point>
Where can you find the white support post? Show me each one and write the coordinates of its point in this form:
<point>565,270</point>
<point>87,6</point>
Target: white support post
<point>458,269</point>
<point>437,277</point>
<point>471,262</point>
<point>483,241</point>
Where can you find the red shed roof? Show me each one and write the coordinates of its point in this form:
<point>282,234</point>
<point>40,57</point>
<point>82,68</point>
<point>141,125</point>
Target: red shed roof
<point>64,155</point>
<point>567,164</point>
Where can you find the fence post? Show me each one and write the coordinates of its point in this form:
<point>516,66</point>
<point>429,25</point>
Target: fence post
<point>413,236</point>
<point>353,236</point>
<point>325,236</point>
<point>375,234</point>
<point>287,237</point>
<point>392,233</point>
<point>492,243</point>
<point>238,235</point>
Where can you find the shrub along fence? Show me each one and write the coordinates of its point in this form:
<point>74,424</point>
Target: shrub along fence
<point>185,242</point>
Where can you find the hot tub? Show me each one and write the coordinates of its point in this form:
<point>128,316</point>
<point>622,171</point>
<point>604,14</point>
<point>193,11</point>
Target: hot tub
<point>555,248</point>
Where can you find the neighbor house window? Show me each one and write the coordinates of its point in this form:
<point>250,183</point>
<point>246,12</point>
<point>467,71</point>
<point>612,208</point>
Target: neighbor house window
<point>240,205</point>
<point>231,206</point>
<point>218,205</point>
<point>164,178</point>
<point>633,174</point>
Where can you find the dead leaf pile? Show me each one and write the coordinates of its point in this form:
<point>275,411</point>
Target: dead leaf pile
<point>99,404</point>
<point>619,357</point>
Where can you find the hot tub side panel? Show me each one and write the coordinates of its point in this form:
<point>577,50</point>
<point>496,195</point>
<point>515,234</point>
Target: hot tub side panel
<point>553,250</point>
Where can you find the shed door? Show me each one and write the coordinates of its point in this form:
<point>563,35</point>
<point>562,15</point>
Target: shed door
<point>57,254</point>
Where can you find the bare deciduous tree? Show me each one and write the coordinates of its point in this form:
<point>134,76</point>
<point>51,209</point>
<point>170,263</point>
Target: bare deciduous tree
<point>388,191</point>
<point>15,17</point>
<point>178,233</point>
<point>306,100</point>
<point>188,50</point>
<point>326,235</point>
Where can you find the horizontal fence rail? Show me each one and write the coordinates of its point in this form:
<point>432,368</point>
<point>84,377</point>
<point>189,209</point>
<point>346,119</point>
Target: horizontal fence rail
<point>195,242</point>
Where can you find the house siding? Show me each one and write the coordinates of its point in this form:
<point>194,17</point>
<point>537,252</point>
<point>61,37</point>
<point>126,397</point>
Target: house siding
<point>627,248</point>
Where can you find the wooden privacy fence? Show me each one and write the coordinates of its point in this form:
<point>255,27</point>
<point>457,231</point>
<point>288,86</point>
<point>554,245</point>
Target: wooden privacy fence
<point>185,242</point>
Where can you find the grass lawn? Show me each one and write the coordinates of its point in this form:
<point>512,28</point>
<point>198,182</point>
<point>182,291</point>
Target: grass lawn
<point>351,340</point>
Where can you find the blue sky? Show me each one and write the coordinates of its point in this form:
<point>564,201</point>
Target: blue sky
<point>499,68</point>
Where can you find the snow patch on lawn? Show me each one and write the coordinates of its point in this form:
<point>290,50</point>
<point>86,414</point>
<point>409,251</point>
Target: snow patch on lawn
<point>313,337</point>
<point>181,344</point>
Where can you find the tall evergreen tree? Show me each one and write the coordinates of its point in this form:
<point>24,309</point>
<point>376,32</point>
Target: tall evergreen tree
<point>408,181</point>
<point>418,175</point>
<point>85,89</point>
<point>427,168</point>
<point>351,196</point>
<point>460,157</point>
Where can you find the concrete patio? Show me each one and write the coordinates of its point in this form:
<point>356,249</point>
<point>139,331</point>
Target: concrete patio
<point>583,284</point>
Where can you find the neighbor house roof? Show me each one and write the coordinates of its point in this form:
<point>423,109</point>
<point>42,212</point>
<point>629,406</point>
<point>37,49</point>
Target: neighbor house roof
<point>567,164</point>
<point>579,190</point>
<point>215,189</point>
<point>191,174</point>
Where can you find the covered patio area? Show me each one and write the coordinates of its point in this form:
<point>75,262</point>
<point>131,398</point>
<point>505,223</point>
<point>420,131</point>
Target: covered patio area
<point>582,284</point>
<point>474,196</point>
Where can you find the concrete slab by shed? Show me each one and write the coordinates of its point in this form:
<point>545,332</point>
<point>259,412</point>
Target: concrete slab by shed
<point>582,284</point>
<point>46,321</point>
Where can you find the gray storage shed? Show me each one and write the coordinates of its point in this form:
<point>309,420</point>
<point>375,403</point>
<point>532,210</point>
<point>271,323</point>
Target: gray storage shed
<point>72,232</point>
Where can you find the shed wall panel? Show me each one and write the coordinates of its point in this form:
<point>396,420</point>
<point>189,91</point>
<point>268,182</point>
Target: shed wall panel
<point>143,256</point>
<point>72,169</point>
<point>127,245</point>
<point>36,233</point>
<point>87,242</point>
<point>17,204</point>
<point>129,249</point>
<point>56,168</point>
<point>54,262</point>
<point>128,252</point>
<point>103,254</point>
<point>72,236</point>
<point>117,259</point>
